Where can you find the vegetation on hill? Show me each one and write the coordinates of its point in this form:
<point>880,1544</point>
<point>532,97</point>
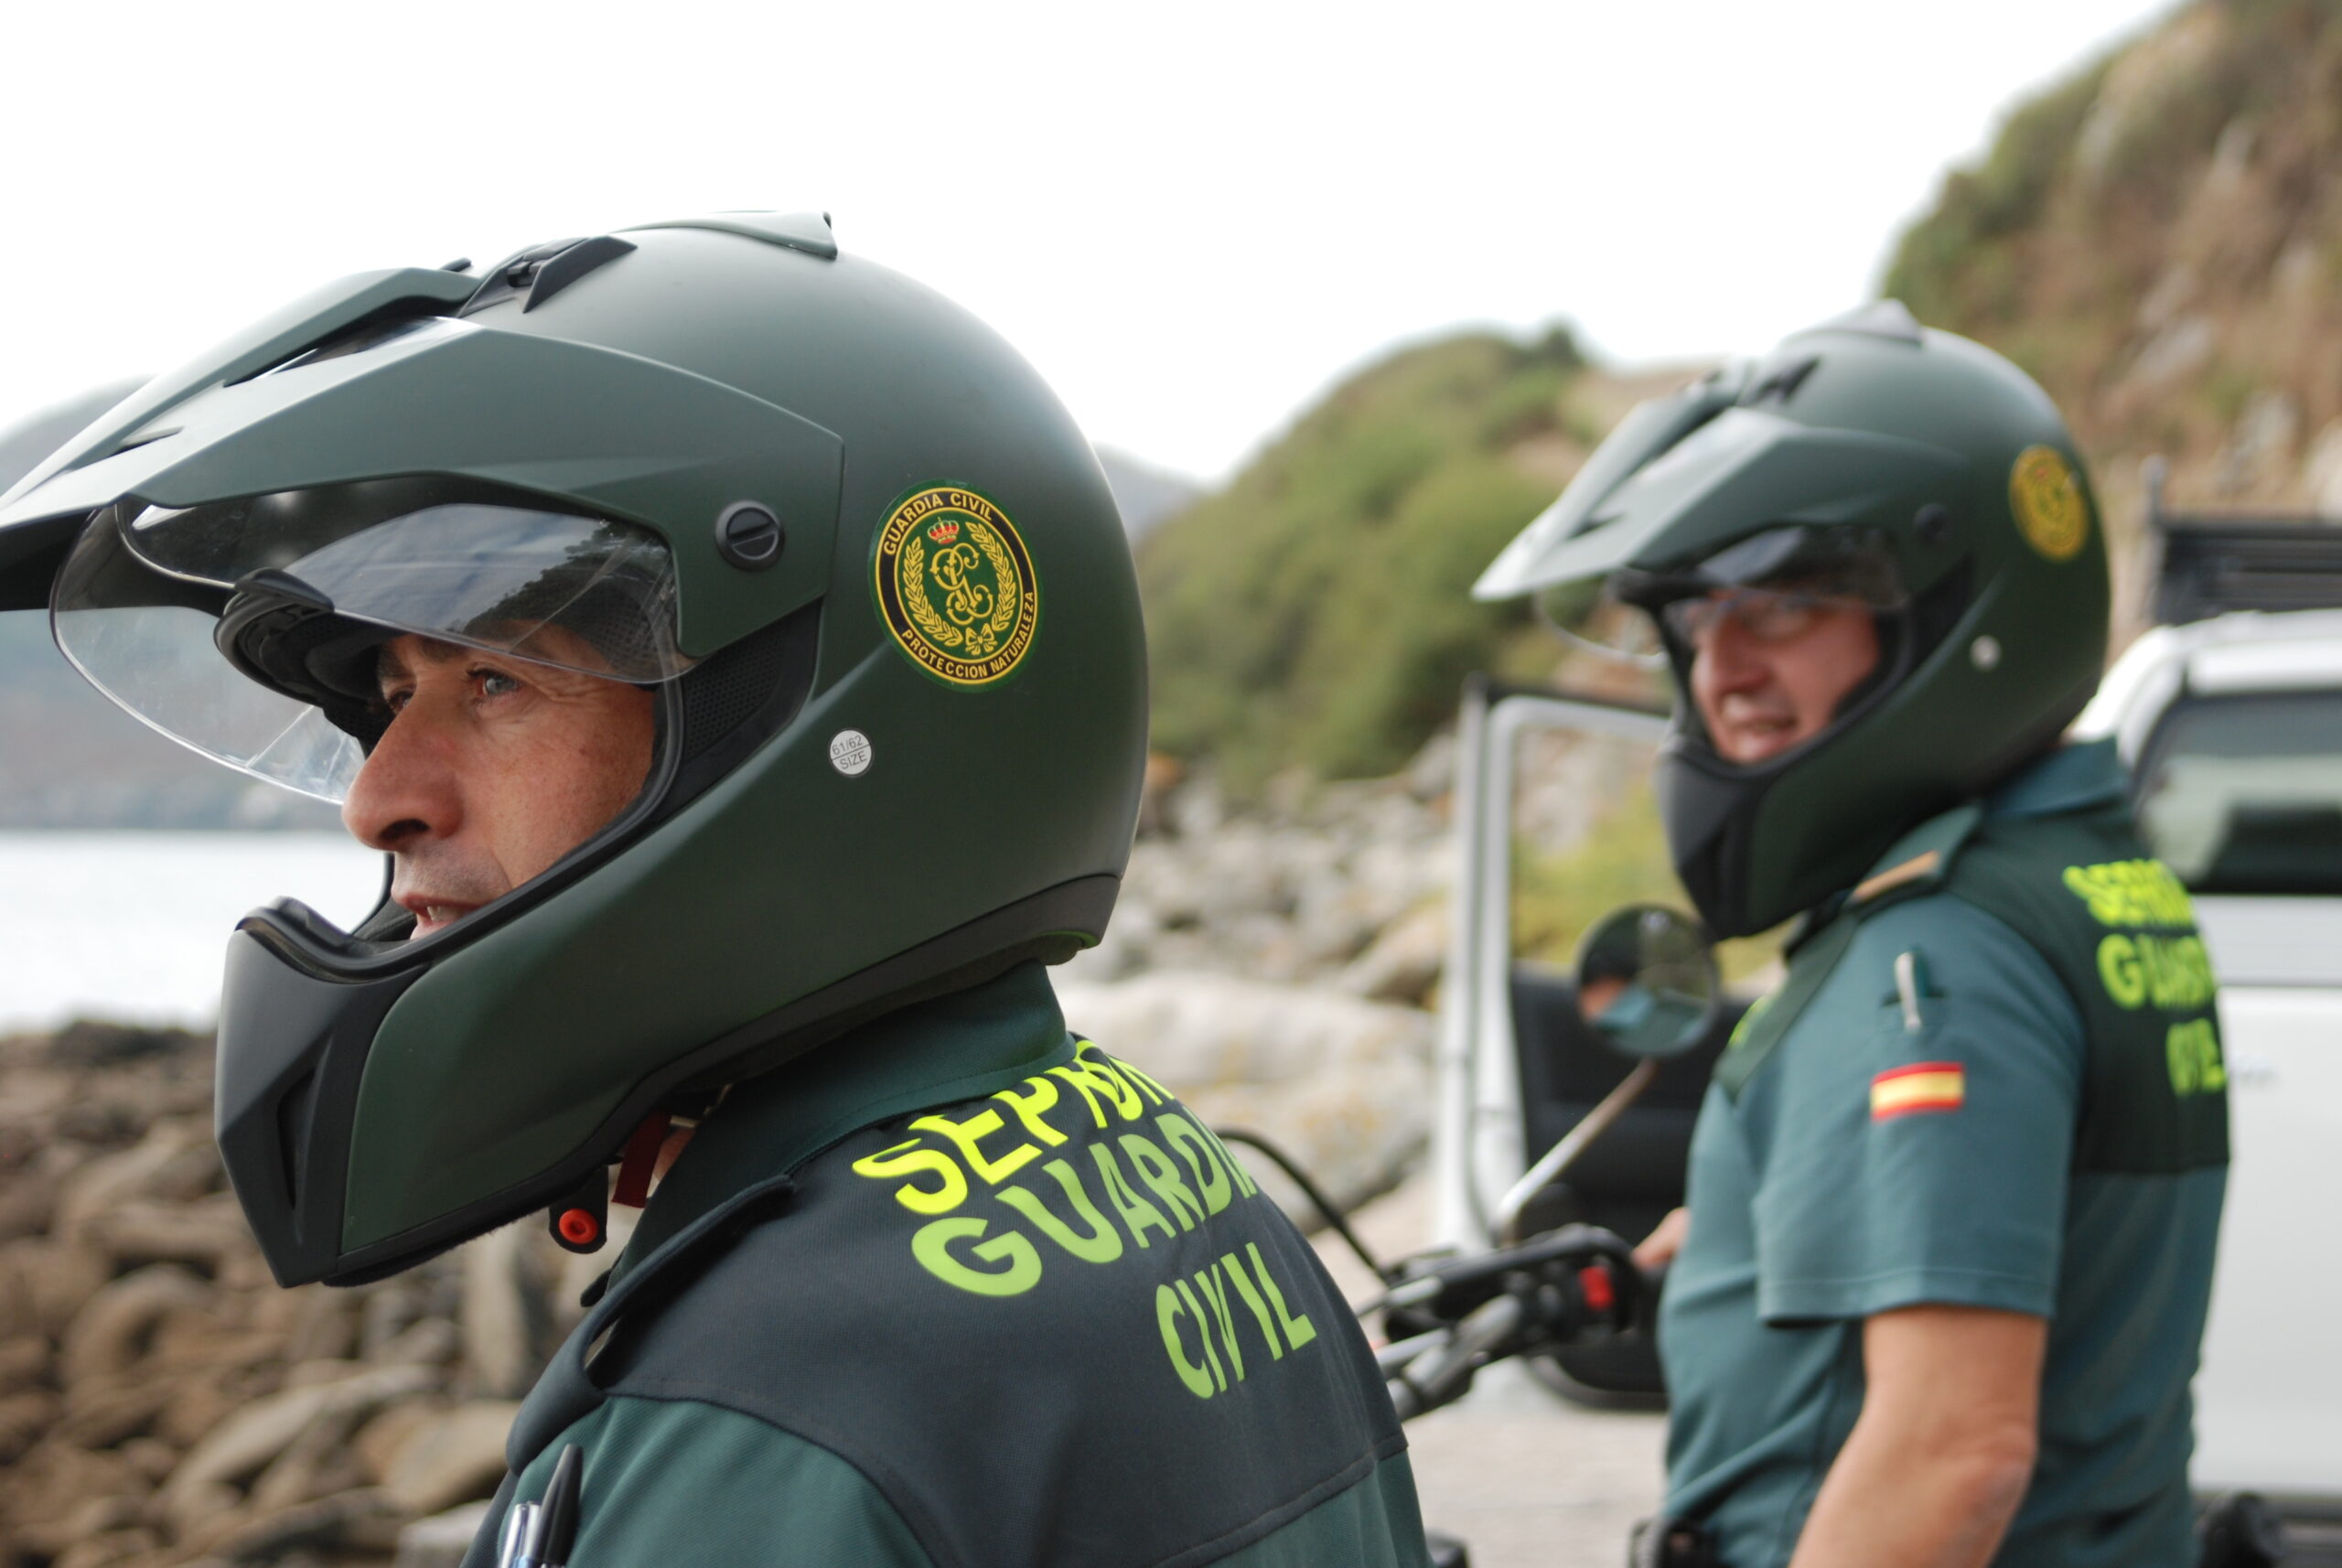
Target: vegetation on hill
<point>2158,238</point>
<point>1318,611</point>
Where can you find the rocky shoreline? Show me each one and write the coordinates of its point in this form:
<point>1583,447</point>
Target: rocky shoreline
<point>161,1400</point>
<point>162,1403</point>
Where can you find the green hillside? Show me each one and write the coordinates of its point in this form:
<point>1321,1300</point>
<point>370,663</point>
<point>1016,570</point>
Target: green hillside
<point>2158,237</point>
<point>1315,611</point>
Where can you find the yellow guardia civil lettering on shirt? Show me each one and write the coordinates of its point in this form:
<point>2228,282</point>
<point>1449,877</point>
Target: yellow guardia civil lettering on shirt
<point>2156,961</point>
<point>1098,1161</point>
<point>2138,966</point>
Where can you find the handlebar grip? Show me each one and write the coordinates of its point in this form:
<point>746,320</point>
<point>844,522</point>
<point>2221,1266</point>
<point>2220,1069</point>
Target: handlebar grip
<point>1444,1372</point>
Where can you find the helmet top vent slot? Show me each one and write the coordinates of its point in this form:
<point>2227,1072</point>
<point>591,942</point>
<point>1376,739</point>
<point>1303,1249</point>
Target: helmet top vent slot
<point>537,274</point>
<point>570,264</point>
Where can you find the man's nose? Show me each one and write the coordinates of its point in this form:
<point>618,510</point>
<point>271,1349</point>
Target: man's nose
<point>1730,655</point>
<point>407,790</point>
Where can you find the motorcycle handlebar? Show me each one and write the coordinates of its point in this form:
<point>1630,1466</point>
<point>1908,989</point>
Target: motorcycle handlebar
<point>1571,1283</point>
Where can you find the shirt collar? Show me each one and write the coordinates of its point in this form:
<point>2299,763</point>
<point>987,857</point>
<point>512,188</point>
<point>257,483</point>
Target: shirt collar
<point>938,1052</point>
<point>2067,779</point>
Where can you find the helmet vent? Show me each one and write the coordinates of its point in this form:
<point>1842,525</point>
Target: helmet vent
<point>292,1133</point>
<point>726,691</point>
<point>537,274</point>
<point>1888,318</point>
<point>1782,384</point>
<point>736,700</point>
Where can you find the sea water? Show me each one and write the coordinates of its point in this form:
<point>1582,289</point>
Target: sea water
<point>133,927</point>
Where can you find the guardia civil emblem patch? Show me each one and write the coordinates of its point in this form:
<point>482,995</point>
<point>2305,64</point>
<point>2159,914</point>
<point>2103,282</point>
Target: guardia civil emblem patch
<point>955,585</point>
<point>2046,495</point>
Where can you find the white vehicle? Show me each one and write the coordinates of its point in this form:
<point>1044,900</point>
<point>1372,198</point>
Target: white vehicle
<point>2230,716</point>
<point>2231,724</point>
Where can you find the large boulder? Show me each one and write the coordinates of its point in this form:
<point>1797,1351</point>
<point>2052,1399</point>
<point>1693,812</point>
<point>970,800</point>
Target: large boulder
<point>1340,1083</point>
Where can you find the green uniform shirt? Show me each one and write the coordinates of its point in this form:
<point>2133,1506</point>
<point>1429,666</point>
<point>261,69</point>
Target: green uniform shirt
<point>960,1291</point>
<point>2028,1120</point>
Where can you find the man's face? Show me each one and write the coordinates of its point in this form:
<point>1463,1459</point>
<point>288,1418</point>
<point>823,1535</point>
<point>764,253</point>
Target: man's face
<point>1769,669</point>
<point>493,768</point>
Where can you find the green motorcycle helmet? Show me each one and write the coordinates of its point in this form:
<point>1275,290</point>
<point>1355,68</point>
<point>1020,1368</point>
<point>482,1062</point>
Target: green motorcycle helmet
<point>1910,470</point>
<point>862,559</point>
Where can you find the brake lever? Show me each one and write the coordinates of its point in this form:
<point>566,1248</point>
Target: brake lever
<point>1595,1267</point>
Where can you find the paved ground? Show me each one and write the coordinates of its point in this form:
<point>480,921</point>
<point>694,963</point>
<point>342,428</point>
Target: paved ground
<point>1526,1478</point>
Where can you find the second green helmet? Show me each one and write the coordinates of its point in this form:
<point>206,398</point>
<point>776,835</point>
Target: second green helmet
<point>1915,471</point>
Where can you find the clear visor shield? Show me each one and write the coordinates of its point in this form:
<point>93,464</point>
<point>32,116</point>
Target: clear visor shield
<point>1771,586</point>
<point>310,583</point>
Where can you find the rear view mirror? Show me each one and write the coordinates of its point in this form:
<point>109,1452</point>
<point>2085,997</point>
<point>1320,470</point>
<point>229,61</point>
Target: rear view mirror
<point>1646,981</point>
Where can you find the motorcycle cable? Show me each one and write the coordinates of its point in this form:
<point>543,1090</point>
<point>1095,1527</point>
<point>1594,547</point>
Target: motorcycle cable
<point>1333,1216</point>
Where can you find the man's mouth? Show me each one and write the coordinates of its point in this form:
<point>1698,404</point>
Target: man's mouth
<point>1753,735</point>
<point>433,915</point>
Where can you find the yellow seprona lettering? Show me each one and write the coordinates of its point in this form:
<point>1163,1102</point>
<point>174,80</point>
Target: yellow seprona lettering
<point>1100,1090</point>
<point>2132,892</point>
<point>909,1159</point>
<point>2175,974</point>
<point>969,1136</point>
<point>1020,1265</point>
<point>1133,1076</point>
<point>1172,1177</point>
<point>2191,1051</point>
<point>1030,1107</point>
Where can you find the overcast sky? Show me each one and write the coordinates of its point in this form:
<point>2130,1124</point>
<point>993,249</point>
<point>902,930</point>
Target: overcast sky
<point>1190,217</point>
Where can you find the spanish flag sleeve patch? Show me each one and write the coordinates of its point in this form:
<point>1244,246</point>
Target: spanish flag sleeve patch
<point>1922,1086</point>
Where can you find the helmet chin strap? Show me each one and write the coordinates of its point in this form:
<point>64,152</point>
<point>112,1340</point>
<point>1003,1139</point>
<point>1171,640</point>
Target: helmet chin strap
<point>641,1160</point>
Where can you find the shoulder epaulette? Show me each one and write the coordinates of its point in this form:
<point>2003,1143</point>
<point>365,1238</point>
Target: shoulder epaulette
<point>1920,861</point>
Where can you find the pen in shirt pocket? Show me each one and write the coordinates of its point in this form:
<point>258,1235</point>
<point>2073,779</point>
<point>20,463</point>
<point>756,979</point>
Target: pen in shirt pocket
<point>540,1534</point>
<point>1911,985</point>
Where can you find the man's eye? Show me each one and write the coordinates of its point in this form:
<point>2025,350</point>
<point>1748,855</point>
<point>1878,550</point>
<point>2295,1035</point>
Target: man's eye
<point>394,701</point>
<point>497,683</point>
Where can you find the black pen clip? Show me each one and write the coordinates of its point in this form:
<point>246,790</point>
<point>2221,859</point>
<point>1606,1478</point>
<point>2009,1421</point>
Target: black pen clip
<point>559,1530</point>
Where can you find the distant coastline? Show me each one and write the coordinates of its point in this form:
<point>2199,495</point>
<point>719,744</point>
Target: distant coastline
<point>131,926</point>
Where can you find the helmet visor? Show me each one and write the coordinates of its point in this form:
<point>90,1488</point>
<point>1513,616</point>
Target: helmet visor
<point>1590,613</point>
<point>299,589</point>
<point>1771,583</point>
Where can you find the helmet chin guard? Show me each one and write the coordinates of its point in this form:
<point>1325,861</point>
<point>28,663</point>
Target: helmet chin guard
<point>723,462</point>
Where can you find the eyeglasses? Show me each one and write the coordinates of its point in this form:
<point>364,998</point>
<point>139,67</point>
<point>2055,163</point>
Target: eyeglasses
<point>1766,614</point>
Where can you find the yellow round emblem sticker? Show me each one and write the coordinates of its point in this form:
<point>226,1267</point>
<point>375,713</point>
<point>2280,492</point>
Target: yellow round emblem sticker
<point>956,586</point>
<point>2046,495</point>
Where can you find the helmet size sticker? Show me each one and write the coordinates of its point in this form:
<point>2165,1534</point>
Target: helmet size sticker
<point>955,585</point>
<point>2046,496</point>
